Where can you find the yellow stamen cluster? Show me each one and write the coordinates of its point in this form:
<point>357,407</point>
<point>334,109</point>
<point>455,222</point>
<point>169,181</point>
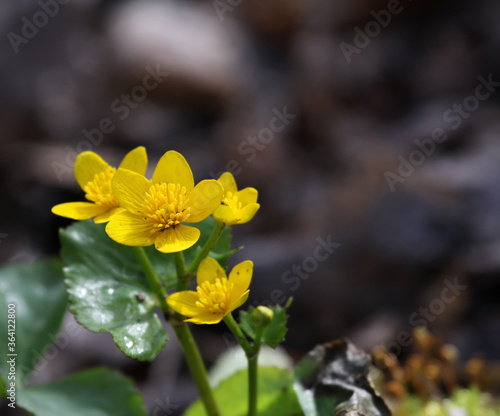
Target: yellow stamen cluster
<point>215,297</point>
<point>231,200</point>
<point>99,189</point>
<point>165,205</point>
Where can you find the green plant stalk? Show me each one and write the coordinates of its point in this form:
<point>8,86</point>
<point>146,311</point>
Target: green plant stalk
<point>252,354</point>
<point>196,367</point>
<point>238,334</point>
<point>210,243</point>
<point>182,276</point>
<point>253,366</point>
<point>188,344</point>
<point>152,277</point>
<point>252,385</point>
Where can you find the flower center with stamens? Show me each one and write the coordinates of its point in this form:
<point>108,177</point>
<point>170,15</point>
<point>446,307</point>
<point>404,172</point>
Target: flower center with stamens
<point>215,297</point>
<point>165,205</point>
<point>231,200</point>
<point>99,189</point>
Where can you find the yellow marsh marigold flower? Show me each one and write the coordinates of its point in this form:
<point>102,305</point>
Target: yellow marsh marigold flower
<point>216,295</point>
<point>237,207</point>
<point>158,208</point>
<point>94,176</point>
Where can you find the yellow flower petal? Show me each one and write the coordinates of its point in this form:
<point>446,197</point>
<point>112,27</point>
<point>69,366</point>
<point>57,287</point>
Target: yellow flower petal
<point>247,213</point>
<point>204,199</point>
<point>176,239</point>
<point>228,183</point>
<point>240,276</point>
<point>240,301</point>
<point>173,168</point>
<point>130,230</point>
<point>207,318</point>
<point>136,160</point>
<point>106,216</point>
<point>184,302</point>
<point>87,165</point>
<point>226,215</point>
<point>212,301</point>
<point>247,196</point>
<point>209,270</point>
<point>130,189</point>
<point>78,210</point>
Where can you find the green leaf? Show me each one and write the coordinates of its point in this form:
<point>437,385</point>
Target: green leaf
<point>108,291</point>
<point>274,333</point>
<point>276,396</point>
<point>332,380</point>
<point>96,392</point>
<point>38,293</point>
<point>223,257</point>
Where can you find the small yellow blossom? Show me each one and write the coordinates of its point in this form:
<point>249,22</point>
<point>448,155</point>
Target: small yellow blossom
<point>94,176</point>
<point>237,207</point>
<point>216,295</point>
<point>158,208</point>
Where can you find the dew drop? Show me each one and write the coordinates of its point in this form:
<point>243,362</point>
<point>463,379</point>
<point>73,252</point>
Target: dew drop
<point>80,292</point>
<point>128,342</point>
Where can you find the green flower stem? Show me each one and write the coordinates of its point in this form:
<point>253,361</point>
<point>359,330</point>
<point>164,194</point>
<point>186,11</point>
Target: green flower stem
<point>258,340</point>
<point>180,267</point>
<point>253,367</point>
<point>238,334</point>
<point>252,385</point>
<point>188,344</point>
<point>152,277</point>
<point>196,367</point>
<point>252,354</point>
<point>212,240</point>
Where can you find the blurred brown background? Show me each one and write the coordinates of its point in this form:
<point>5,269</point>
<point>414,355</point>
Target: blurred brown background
<point>369,126</point>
